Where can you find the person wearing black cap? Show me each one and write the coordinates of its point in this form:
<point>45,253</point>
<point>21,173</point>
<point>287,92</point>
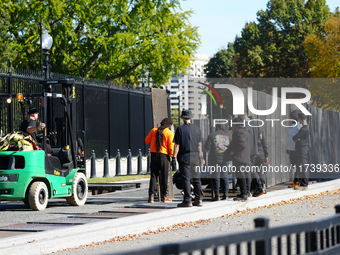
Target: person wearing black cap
<point>30,125</point>
<point>239,152</point>
<point>293,130</point>
<point>301,147</point>
<point>188,149</point>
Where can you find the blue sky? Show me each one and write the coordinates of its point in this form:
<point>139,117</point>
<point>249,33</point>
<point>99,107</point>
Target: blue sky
<point>219,21</point>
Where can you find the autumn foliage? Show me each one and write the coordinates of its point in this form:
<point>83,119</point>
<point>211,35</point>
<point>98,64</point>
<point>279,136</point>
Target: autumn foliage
<point>323,53</point>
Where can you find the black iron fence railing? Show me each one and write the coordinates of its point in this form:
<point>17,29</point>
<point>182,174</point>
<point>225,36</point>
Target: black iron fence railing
<point>317,237</point>
<point>108,117</point>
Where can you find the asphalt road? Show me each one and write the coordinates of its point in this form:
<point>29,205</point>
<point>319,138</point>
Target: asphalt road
<point>306,210</point>
<point>17,212</point>
<point>287,213</point>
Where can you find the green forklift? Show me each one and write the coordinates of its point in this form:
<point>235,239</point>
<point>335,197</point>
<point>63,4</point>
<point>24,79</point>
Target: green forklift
<point>57,169</point>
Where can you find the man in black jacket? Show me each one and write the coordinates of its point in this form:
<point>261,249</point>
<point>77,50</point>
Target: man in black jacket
<point>301,147</point>
<point>255,136</point>
<point>260,160</point>
<point>239,152</point>
<point>217,142</point>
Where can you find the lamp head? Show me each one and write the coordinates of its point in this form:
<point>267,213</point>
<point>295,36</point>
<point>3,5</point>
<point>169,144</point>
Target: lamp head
<point>47,40</point>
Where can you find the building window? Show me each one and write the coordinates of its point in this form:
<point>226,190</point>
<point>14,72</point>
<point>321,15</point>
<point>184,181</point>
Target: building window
<point>174,87</point>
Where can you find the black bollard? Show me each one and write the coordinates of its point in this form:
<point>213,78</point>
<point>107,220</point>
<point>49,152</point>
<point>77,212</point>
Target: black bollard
<point>106,164</point>
<point>140,167</point>
<point>148,170</point>
<point>118,170</point>
<point>129,163</point>
<point>93,165</point>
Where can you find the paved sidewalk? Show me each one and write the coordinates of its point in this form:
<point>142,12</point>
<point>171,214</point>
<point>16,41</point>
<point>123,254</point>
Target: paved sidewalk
<point>54,240</point>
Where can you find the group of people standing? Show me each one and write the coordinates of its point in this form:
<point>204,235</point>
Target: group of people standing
<point>185,147</point>
<point>247,147</point>
<point>247,141</point>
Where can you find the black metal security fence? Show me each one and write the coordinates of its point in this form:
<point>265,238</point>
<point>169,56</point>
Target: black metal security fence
<point>324,125</point>
<point>107,117</point>
<point>324,139</point>
<point>317,237</point>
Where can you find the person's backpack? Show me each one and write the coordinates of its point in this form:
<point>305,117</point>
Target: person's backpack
<point>177,180</point>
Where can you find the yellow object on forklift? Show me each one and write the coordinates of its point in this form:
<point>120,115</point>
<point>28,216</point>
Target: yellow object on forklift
<point>17,141</point>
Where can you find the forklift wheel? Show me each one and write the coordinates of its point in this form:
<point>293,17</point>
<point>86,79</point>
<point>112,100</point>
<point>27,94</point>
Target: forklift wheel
<point>38,196</point>
<point>79,194</point>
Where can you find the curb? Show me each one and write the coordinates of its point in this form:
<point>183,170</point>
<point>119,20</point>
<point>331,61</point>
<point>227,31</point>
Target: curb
<point>54,240</point>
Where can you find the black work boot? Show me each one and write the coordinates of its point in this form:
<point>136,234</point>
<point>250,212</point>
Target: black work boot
<point>198,202</point>
<point>184,204</point>
<point>151,199</point>
<point>242,198</point>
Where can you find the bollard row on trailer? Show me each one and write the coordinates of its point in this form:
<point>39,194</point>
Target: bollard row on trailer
<point>118,159</point>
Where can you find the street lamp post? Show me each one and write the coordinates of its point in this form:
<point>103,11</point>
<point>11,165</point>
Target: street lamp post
<point>45,46</point>
<point>179,105</point>
<point>46,42</point>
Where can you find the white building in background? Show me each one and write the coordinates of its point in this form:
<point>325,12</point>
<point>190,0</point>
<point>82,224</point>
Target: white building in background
<point>186,88</point>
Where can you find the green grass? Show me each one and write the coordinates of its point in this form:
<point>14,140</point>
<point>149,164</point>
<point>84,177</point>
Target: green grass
<point>118,178</point>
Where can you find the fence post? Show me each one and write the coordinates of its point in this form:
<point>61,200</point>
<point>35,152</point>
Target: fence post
<point>337,211</point>
<point>148,171</point>
<point>129,163</point>
<point>106,164</point>
<point>93,165</point>
<point>262,246</point>
<point>140,167</point>
<point>118,163</point>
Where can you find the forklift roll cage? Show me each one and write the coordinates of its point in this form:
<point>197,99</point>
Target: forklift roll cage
<point>67,97</point>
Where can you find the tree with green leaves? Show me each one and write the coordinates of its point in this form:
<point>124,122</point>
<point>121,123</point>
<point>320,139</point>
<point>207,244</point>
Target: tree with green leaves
<point>108,39</point>
<point>221,64</point>
<point>273,46</point>
<point>174,117</point>
<point>6,51</point>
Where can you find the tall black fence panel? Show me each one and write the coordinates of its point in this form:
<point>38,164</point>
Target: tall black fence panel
<point>80,108</point>
<point>96,120</point>
<point>136,118</point>
<point>119,122</point>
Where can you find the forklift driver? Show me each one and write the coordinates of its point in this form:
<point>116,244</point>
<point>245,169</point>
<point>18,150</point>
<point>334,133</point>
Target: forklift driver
<point>30,125</point>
